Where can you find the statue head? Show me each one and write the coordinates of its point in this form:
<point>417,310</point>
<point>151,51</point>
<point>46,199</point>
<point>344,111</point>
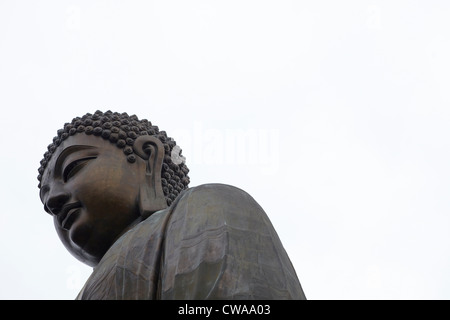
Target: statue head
<point>104,173</point>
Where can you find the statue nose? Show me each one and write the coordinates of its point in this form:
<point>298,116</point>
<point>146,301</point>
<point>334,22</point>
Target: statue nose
<point>55,202</point>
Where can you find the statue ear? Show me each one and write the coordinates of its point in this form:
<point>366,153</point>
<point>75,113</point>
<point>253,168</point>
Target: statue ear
<point>151,195</point>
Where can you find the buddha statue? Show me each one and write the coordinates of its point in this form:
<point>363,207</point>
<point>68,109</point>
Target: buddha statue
<point>117,189</point>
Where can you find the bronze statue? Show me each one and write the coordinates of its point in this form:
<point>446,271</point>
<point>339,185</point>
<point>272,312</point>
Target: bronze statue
<point>117,188</point>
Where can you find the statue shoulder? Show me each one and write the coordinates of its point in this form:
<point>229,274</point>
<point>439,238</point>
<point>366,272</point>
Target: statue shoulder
<point>220,244</point>
<point>213,206</point>
<point>217,196</point>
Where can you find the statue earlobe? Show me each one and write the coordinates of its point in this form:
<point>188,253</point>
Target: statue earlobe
<point>151,196</point>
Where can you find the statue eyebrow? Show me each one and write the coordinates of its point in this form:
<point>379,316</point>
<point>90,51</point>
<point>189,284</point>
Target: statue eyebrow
<point>68,151</point>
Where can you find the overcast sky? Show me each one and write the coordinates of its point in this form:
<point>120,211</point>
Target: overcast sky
<point>333,115</point>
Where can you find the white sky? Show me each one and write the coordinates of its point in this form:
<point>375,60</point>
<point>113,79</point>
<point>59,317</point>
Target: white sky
<point>343,108</point>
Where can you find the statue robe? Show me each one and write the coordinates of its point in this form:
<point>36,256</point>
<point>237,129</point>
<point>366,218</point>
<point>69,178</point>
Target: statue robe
<point>213,242</point>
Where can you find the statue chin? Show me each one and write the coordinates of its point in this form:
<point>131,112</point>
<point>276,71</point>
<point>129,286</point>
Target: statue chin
<point>77,241</point>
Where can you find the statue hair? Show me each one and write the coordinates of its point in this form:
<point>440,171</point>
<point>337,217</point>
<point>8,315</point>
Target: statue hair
<point>122,130</point>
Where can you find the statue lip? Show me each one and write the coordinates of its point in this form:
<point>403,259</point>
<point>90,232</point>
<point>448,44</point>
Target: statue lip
<point>66,216</point>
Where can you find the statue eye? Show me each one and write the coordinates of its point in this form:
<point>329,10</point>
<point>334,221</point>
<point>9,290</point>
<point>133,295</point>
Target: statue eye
<point>74,167</point>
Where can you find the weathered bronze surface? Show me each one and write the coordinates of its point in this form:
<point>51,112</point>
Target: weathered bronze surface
<point>117,189</point>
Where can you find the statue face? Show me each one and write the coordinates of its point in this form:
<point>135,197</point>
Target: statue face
<point>92,192</point>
